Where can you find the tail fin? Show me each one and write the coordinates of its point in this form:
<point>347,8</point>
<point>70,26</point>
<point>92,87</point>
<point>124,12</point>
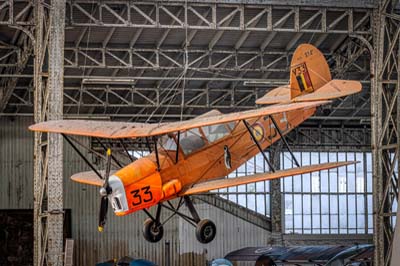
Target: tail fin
<point>309,71</point>
<point>310,80</point>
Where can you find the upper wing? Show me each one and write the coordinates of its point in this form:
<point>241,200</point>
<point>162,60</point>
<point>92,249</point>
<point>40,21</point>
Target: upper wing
<point>229,182</point>
<point>106,129</point>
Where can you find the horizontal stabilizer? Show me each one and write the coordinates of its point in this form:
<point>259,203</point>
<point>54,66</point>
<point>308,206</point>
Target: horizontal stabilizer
<point>333,89</point>
<point>229,182</point>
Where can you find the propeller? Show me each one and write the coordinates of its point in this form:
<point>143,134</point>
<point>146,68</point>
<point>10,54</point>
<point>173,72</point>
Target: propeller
<point>104,192</point>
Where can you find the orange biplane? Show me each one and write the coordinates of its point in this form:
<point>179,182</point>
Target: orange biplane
<point>194,156</point>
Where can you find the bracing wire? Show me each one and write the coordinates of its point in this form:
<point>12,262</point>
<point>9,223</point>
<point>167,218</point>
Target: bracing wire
<point>172,87</point>
<point>85,58</point>
<point>185,61</point>
<point>176,83</point>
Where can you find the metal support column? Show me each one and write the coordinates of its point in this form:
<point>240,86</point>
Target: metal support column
<point>385,127</point>
<point>55,141</point>
<point>48,164</point>
<point>376,123</point>
<point>276,198</point>
<point>39,149</point>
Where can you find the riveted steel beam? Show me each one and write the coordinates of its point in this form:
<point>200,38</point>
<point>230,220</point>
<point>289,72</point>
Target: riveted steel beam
<point>48,170</point>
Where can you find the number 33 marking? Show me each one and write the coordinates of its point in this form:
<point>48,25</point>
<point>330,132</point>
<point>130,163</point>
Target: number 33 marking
<point>137,198</point>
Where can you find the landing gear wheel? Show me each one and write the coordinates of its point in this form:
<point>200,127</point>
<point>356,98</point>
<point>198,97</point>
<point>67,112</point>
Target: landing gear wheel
<point>151,231</point>
<point>205,231</point>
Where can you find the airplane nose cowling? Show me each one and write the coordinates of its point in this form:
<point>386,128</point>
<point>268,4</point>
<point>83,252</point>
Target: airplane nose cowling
<point>118,196</point>
<point>141,186</point>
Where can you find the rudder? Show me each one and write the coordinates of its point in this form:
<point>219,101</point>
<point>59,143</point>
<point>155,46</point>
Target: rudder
<point>309,71</point>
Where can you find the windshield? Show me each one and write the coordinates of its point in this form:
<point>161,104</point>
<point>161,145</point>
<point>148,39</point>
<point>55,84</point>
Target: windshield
<point>216,132</point>
<point>168,143</point>
<point>191,141</point>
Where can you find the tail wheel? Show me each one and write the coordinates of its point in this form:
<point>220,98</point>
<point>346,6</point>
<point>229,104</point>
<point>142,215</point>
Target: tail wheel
<point>151,231</point>
<point>205,231</point>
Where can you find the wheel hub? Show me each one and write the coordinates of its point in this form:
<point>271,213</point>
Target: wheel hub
<point>208,231</point>
<point>155,230</point>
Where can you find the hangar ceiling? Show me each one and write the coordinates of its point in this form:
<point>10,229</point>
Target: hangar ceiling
<point>164,60</point>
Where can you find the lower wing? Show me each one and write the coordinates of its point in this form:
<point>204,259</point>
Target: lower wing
<point>90,177</point>
<point>229,182</point>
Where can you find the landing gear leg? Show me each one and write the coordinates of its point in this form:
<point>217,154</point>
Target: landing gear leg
<point>153,230</point>
<point>205,229</point>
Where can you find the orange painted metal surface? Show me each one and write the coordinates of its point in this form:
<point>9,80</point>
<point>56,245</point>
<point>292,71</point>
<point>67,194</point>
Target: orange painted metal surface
<point>143,184</point>
<point>171,188</point>
<point>143,193</point>
<point>136,171</point>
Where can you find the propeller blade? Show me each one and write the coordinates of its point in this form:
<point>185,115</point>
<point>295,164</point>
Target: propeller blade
<point>105,191</point>
<point>107,173</point>
<point>108,165</point>
<point>103,213</point>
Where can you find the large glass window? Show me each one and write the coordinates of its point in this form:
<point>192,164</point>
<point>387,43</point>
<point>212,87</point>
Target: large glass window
<point>336,201</point>
<point>254,196</point>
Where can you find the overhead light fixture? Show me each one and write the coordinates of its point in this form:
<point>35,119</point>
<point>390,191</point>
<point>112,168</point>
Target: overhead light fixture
<point>365,121</point>
<point>108,81</point>
<point>88,116</point>
<point>261,83</point>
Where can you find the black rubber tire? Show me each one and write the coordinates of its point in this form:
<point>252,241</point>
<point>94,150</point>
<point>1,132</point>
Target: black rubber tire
<point>151,232</point>
<point>205,231</point>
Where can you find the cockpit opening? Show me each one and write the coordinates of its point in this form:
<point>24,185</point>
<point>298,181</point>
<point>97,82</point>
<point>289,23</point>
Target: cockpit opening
<point>194,139</point>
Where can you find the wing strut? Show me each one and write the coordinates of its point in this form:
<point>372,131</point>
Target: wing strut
<point>258,146</point>
<point>177,147</point>
<point>284,140</point>
<point>126,150</point>
<point>156,152</point>
<point>83,157</point>
<point>148,144</point>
